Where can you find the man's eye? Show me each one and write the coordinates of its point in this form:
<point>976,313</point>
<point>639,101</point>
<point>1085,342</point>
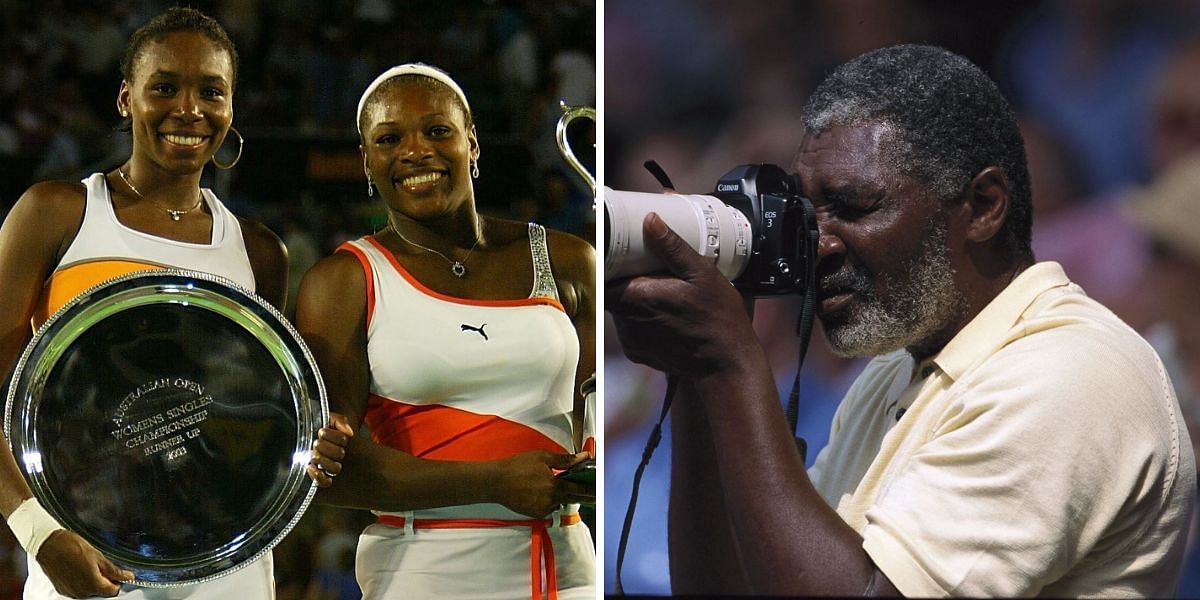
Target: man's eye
<point>852,206</point>
<point>847,211</point>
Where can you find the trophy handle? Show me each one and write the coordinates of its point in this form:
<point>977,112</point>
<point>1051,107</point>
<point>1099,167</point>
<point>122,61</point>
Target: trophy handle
<point>570,113</point>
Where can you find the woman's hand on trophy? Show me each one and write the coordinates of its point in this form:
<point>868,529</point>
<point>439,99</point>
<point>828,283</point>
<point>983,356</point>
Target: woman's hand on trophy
<point>527,484</point>
<point>77,569</point>
<point>329,450</point>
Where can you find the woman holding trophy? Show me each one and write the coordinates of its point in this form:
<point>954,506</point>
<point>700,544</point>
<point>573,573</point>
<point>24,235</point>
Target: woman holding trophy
<point>461,341</point>
<point>179,71</point>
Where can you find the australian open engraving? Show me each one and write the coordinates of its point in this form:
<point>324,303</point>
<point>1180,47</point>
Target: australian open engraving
<point>160,415</point>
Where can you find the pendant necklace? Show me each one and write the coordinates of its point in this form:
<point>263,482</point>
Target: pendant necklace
<point>457,267</point>
<point>176,215</point>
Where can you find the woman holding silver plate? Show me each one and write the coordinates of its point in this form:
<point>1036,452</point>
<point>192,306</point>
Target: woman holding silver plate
<point>179,72</point>
<point>461,340</point>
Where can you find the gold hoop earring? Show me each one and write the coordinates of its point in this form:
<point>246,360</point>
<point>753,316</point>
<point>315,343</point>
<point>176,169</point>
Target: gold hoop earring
<point>475,169</point>
<point>230,165</point>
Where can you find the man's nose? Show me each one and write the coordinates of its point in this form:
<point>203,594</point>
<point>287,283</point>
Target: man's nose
<point>829,243</point>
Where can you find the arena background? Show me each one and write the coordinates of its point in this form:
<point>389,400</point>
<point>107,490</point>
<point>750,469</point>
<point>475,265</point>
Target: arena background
<point>304,64</point>
<point>1108,93</point>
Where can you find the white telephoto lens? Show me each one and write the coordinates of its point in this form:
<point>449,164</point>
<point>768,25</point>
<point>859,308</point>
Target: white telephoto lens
<point>714,229</point>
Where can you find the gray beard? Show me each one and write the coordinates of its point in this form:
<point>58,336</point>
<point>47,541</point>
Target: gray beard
<point>917,308</point>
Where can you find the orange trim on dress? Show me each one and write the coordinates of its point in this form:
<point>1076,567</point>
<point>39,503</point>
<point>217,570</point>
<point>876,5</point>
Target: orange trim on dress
<point>538,300</point>
<point>68,282</point>
<point>541,548</point>
<point>441,432</point>
<point>370,275</point>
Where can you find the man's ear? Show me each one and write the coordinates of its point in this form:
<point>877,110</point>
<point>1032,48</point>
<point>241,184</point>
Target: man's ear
<point>987,204</point>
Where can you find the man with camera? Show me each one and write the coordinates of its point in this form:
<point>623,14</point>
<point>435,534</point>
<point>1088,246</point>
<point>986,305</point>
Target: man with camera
<point>1011,437</point>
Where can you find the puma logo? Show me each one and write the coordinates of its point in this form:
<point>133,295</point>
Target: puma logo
<point>478,330</point>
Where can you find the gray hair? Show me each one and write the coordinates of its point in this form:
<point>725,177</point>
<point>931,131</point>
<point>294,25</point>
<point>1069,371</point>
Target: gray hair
<point>948,118</point>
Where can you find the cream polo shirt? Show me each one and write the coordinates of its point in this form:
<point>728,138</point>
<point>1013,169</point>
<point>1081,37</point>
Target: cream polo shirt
<point>1041,452</point>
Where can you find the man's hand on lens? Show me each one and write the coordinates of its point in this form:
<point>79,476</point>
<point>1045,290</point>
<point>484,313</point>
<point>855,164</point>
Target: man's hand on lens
<point>691,322</point>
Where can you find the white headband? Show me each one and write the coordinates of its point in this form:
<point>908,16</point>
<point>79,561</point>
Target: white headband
<point>410,69</point>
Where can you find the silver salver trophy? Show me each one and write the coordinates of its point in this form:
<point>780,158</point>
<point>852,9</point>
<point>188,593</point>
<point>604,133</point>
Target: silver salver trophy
<point>167,417</point>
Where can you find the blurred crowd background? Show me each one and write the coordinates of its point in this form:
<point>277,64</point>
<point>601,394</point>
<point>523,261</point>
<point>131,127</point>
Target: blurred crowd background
<point>1108,95</point>
<point>304,64</point>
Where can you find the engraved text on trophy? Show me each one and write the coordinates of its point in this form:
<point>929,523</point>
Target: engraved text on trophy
<point>160,415</point>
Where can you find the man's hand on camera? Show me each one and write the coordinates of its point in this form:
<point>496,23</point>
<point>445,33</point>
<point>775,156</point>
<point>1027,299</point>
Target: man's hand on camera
<point>690,323</point>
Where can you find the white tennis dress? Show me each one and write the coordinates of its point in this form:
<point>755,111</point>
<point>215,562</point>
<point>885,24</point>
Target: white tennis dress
<point>459,379</point>
<point>103,249</point>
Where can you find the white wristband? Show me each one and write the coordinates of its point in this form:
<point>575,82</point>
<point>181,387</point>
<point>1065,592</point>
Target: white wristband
<point>32,525</point>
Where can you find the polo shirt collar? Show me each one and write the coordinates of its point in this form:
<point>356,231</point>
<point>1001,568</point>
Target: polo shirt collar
<point>990,327</point>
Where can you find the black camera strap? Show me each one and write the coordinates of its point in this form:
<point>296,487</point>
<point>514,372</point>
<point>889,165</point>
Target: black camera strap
<point>651,444</point>
<point>804,325</point>
<point>659,174</point>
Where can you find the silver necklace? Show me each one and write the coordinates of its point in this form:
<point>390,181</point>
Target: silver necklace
<point>176,215</point>
<point>457,267</point>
